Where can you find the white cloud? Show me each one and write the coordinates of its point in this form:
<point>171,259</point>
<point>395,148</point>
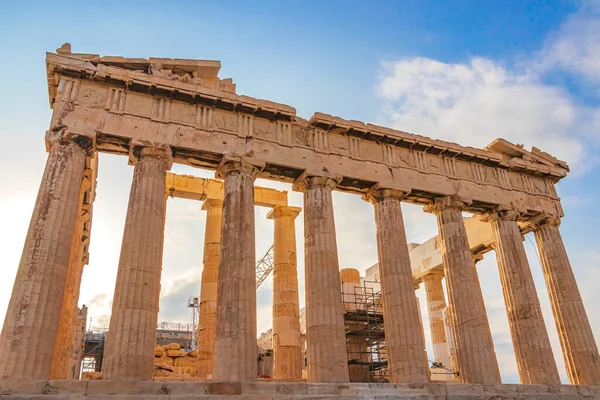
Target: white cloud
<point>477,101</point>
<point>575,48</point>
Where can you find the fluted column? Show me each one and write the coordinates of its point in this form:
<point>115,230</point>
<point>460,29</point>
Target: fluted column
<point>33,315</point>
<point>436,303</point>
<point>473,340</point>
<point>529,335</point>
<point>78,344</point>
<point>576,337</point>
<point>447,318</point>
<point>287,354</point>
<point>326,341</point>
<point>129,351</point>
<point>62,366</point>
<point>403,332</point>
<point>235,342</point>
<point>208,287</point>
<point>65,335</point>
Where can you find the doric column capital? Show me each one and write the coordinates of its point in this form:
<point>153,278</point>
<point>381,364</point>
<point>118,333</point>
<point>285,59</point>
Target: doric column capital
<point>60,135</point>
<point>502,213</point>
<point>446,202</point>
<point>230,167</point>
<point>310,182</point>
<point>284,212</point>
<point>379,195</point>
<point>542,220</point>
<point>433,275</point>
<point>162,153</point>
<point>212,203</point>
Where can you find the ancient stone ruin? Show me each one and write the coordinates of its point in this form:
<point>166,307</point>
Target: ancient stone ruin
<point>160,111</point>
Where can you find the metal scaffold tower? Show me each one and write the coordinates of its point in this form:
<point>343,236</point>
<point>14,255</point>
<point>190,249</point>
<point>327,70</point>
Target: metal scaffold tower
<point>365,339</point>
<point>194,304</point>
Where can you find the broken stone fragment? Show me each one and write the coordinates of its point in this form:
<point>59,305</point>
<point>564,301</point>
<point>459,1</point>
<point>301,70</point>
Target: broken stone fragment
<point>163,360</point>
<point>193,353</point>
<point>185,362</point>
<point>172,346</point>
<point>91,376</point>
<point>163,366</point>
<point>175,353</point>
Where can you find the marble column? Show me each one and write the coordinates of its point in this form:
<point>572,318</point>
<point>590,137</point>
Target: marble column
<point>32,319</point>
<point>287,354</point>
<point>78,345</point>
<point>447,318</point>
<point>129,351</point>
<point>65,334</point>
<point>326,340</point>
<point>576,338</point>
<point>473,340</point>
<point>62,367</point>
<point>403,328</point>
<point>235,342</point>
<point>436,303</point>
<point>208,287</point>
<point>529,335</point>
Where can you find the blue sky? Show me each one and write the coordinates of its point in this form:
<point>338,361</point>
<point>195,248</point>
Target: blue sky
<point>465,71</point>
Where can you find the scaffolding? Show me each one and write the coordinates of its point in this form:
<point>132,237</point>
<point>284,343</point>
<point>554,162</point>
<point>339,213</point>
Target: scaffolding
<point>194,304</point>
<point>365,339</point>
<point>94,351</point>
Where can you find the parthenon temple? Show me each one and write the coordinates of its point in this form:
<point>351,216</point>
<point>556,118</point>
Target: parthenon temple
<point>159,111</point>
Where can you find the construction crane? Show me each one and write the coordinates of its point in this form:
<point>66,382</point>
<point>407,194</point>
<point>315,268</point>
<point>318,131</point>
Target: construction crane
<point>264,267</point>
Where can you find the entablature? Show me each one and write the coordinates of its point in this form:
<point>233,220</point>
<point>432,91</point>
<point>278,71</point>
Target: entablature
<point>496,154</point>
<point>135,80</point>
<point>119,106</point>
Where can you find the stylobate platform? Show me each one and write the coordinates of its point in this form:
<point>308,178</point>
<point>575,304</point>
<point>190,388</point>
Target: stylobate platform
<point>72,389</point>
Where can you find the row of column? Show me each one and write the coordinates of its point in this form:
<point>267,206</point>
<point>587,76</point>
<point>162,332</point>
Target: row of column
<point>29,333</point>
<point>475,358</point>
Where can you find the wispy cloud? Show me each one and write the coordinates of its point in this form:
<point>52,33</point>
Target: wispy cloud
<point>477,101</point>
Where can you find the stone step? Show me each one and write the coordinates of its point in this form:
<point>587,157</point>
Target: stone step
<point>156,390</point>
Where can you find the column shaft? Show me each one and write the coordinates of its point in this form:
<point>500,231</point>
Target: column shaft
<point>235,343</point>
<point>129,351</point>
<point>473,340</point>
<point>65,335</point>
<point>403,328</point>
<point>326,341</point>
<point>33,315</point>
<point>436,303</point>
<point>62,365</point>
<point>574,330</point>
<point>78,346</point>
<point>530,338</point>
<point>287,354</point>
<point>208,287</point>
